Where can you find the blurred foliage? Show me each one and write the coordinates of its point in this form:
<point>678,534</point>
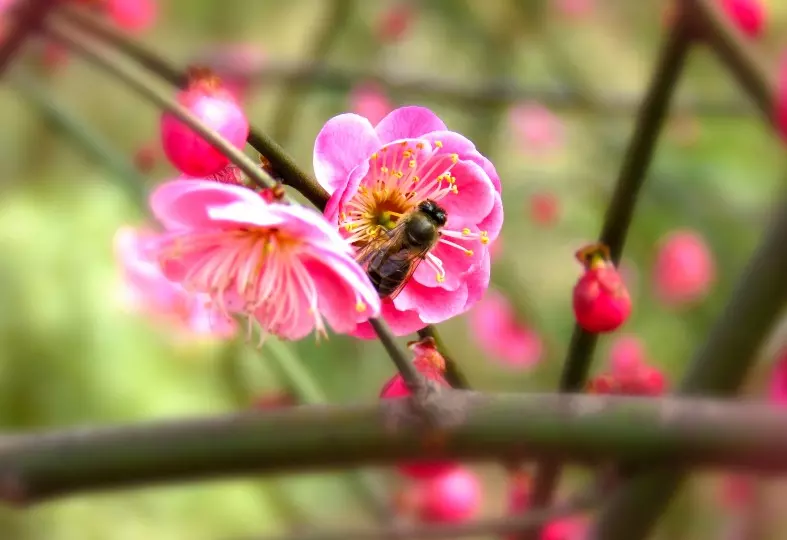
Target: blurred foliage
<point>71,355</point>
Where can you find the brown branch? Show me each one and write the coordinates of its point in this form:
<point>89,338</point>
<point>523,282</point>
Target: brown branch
<point>28,19</point>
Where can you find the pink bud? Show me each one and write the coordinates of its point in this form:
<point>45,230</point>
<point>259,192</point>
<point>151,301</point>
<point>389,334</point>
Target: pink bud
<point>190,153</point>
<point>684,270</point>
<point>537,128</point>
<point>565,529</point>
<point>452,497</point>
<point>601,300</point>
<point>748,15</point>
<point>132,15</point>
<point>371,102</point>
<point>626,354</point>
<point>432,366</point>
<point>544,208</point>
<point>395,21</point>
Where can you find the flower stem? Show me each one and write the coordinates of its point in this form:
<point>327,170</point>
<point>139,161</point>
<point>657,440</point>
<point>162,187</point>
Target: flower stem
<point>28,20</point>
<point>415,381</point>
<point>485,527</point>
<point>95,55</point>
<point>618,217</point>
<point>283,164</point>
<point>669,433</point>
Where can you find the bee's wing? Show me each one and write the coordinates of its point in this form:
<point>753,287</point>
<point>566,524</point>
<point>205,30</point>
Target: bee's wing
<point>382,246</point>
<point>414,257</point>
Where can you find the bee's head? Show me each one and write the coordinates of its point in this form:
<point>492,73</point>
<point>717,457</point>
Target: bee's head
<point>433,211</point>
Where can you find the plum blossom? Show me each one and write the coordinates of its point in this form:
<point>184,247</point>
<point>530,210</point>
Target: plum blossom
<point>378,174</point>
<point>146,289</point>
<point>370,101</point>
<point>282,265</point>
<point>538,130</point>
<point>497,331</point>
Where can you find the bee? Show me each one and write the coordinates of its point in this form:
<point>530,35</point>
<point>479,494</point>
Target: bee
<point>393,256</point>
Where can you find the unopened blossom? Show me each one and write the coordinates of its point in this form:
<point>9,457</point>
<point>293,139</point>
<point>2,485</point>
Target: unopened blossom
<point>748,15</point>
<point>452,497</point>
<point>146,290</point>
<point>501,335</point>
<point>537,129</point>
<point>431,364</point>
<point>282,265</point>
<point>629,372</point>
<point>132,15</point>
<point>206,99</point>
<point>685,269</point>
<point>370,101</point>
<point>376,175</point>
<point>601,300</point>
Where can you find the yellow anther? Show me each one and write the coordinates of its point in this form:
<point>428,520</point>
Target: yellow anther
<point>465,232</point>
<point>398,174</point>
<point>454,189</point>
<point>384,170</point>
<point>484,237</point>
<point>419,145</point>
<point>360,307</point>
<point>375,155</point>
<point>416,179</point>
<point>407,154</point>
<point>438,144</point>
<point>469,252</point>
<point>384,149</point>
<point>454,158</point>
<point>452,180</point>
<point>412,164</point>
<point>440,278</point>
<point>403,143</point>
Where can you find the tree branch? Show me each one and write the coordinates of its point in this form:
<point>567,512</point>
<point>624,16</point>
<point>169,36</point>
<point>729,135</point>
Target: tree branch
<point>590,429</point>
<point>494,526</point>
<point>653,111</point>
<point>28,20</point>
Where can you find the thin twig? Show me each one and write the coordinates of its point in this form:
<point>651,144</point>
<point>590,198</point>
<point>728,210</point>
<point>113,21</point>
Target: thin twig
<point>671,433</point>
<point>494,526</point>
<point>96,56</point>
<point>618,217</point>
<point>401,359</point>
<point>283,164</point>
<point>28,19</point>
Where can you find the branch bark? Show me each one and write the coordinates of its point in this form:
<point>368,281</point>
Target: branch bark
<point>671,433</point>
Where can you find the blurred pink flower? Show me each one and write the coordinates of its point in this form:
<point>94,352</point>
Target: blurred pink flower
<point>748,15</point>
<point>538,130</point>
<point>777,387</point>
<point>132,15</point>
<point>575,8</point>
<point>571,528</point>
<point>147,290</point>
<point>685,270</point>
<point>629,372</point>
<point>281,264</point>
<point>452,497</point>
<point>236,63</point>
<point>369,100</point>
<point>544,208</point>
<point>780,98</point>
<point>395,21</point>
<point>494,326</point>
<point>626,354</point>
<point>376,175</point>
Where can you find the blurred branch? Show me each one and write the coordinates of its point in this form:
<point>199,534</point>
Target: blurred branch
<point>27,20</point>
<point>93,54</point>
<point>650,119</point>
<point>495,91</point>
<point>736,53</point>
<point>283,164</point>
<point>527,521</point>
<point>669,432</point>
<point>80,134</point>
<point>330,29</point>
<point>719,368</point>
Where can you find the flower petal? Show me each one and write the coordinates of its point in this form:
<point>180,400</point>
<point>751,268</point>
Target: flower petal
<point>433,305</point>
<point>401,323</point>
<point>474,198</point>
<point>455,262</point>
<point>454,143</point>
<point>342,195</point>
<point>493,222</point>
<point>408,123</point>
<point>183,204</point>
<point>343,143</point>
<point>478,282</point>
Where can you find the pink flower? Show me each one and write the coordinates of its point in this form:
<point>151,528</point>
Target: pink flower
<point>565,529</point>
<point>539,131</point>
<point>148,291</point>
<point>494,325</point>
<point>780,98</point>
<point>395,21</point>
<point>685,270</point>
<point>601,301</point>
<point>132,15</point>
<point>777,387</point>
<point>626,354</point>
<point>544,208</point>
<point>214,105</point>
<point>237,63</point>
<point>376,175</point>
<point>370,101</point>
<point>575,8</point>
<point>748,15</point>
<point>281,264</point>
<point>453,497</point>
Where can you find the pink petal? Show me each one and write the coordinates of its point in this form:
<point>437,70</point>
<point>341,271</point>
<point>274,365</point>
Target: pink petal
<point>408,123</point>
<point>493,222</point>
<point>454,143</point>
<point>343,194</point>
<point>475,194</point>
<point>183,204</point>
<point>478,282</point>
<point>433,305</point>
<point>344,142</point>
<point>346,270</point>
<point>401,323</point>
<point>456,263</point>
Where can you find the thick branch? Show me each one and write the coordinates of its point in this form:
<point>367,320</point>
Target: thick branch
<point>654,110</point>
<point>592,429</point>
<point>28,20</point>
